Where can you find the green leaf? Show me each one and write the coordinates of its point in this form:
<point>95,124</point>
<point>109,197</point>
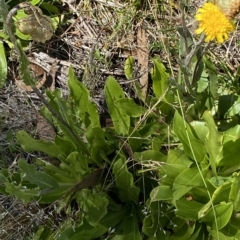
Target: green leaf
<point>50,7</point>
<point>185,181</point>
<point>216,234</point>
<point>29,144</point>
<point>130,107</point>
<point>161,193</point>
<point>88,232</point>
<point>78,165</point>
<point>231,153</point>
<point>183,131</point>
<point>135,140</point>
<point>231,134</point>
<point>213,77</point>
<point>225,103</point>
<point>168,173</point>
<point>182,231</point>
<point>235,106</point>
<point>28,79</point>
<point>41,179</point>
<point>156,143</point>
<point>130,227</point>
<point>213,142</point>
<point>160,78</point>
<point>64,109</point>
<point>94,204</point>
<point>79,93</point>
<point>64,146</point>
<point>221,194</point>
<point>22,193</point>
<point>149,129</point>
<point>200,129</point>
<point>124,181</point>
<point>113,92</point>
<point>223,213</point>
<point>53,194</point>
<point>3,65</point>
<point>188,210</point>
<point>203,82</point>
<point>178,156</point>
<point>149,155</point>
<point>234,195</point>
<point>158,213</point>
<point>128,67</point>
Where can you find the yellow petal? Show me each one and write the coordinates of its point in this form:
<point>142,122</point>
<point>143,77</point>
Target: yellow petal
<point>214,24</point>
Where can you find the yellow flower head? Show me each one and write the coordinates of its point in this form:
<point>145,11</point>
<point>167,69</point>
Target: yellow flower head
<point>213,23</point>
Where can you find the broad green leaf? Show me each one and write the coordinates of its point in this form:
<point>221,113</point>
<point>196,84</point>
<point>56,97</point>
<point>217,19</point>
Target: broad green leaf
<point>35,2</point>
<point>235,107</point>
<point>183,131</point>
<point>44,232</point>
<point>231,134</point>
<point>161,193</point>
<point>200,129</point>
<point>130,107</point>
<point>225,103</point>
<point>98,148</point>
<point>130,227</point>
<point>158,213</point>
<point>94,204</point>
<point>53,194</point>
<point>216,234</point>
<point>168,173</point>
<point>124,181</point>
<point>128,67</point>
<point>84,232</point>
<point>213,77</point>
<point>50,8</point>
<point>22,193</point>
<point>150,155</point>
<point>149,129</point>
<point>182,232</point>
<point>78,165</point>
<point>232,229</point>
<point>213,142</point>
<point>63,109</point>
<point>160,78</point>
<point>221,194</point>
<point>178,156</point>
<point>41,179</point>
<point>185,181</point>
<point>203,82</point>
<point>54,170</point>
<point>3,179</point>
<point>64,146</point>
<point>231,153</point>
<point>27,78</point>
<point>223,212</point>
<point>88,232</point>
<point>156,143</point>
<point>152,229</point>
<point>3,65</point>
<point>113,92</point>
<point>188,210</point>
<point>234,195</point>
<point>80,94</point>
<point>93,133</point>
<point>29,144</point>
<point>135,141</point>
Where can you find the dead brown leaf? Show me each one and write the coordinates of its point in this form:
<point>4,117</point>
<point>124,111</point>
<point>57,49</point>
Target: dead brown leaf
<point>44,130</point>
